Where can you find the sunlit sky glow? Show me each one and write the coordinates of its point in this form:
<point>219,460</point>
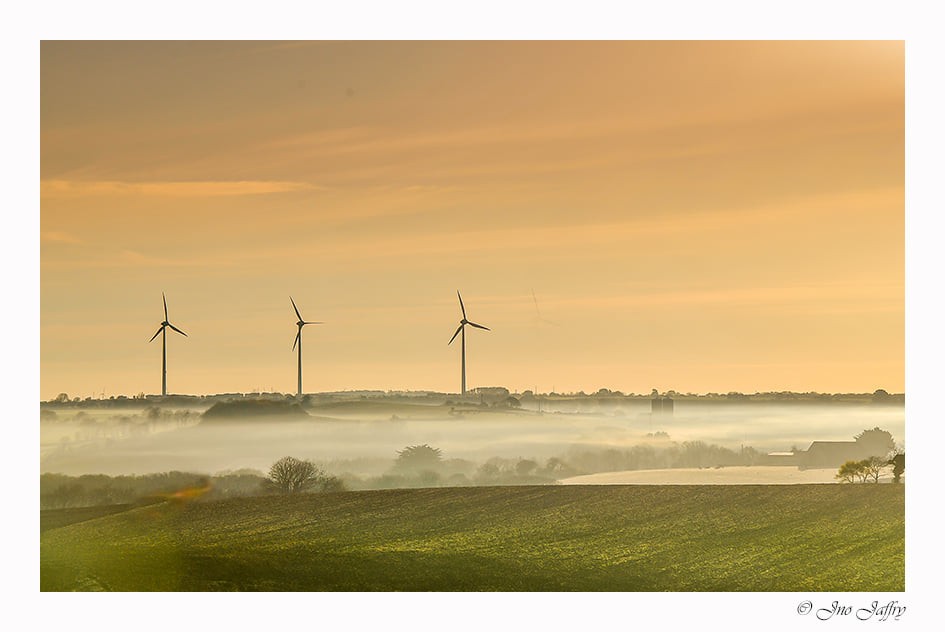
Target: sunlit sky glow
<point>705,216</point>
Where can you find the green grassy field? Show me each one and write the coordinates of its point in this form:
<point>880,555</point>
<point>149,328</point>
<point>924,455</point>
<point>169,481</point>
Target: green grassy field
<point>56,518</point>
<point>557,538</point>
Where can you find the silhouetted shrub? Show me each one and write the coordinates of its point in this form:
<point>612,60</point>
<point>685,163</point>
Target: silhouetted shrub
<point>418,457</point>
<point>289,475</point>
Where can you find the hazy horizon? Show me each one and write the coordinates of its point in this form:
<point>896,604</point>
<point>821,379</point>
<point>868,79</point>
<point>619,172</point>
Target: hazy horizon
<point>106,396</point>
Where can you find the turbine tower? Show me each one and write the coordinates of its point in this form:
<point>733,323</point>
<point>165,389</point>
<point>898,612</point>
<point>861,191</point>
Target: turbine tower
<point>163,330</point>
<point>298,341</point>
<point>462,329</point>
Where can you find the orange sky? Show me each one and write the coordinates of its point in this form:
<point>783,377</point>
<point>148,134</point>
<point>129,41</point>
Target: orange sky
<point>704,216</point>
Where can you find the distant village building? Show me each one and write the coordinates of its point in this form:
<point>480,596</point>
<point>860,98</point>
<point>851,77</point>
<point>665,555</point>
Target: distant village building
<point>661,406</point>
<point>779,458</point>
<point>835,453</point>
<point>491,394</point>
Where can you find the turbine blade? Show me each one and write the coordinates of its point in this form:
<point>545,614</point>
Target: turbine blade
<point>538,317</point>
<point>479,326</point>
<point>297,336</point>
<point>160,329</point>
<point>296,309</point>
<point>456,333</point>
<point>165,305</point>
<point>176,329</point>
<point>461,306</point>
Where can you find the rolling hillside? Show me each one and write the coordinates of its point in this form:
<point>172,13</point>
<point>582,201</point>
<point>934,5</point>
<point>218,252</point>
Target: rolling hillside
<point>561,538</point>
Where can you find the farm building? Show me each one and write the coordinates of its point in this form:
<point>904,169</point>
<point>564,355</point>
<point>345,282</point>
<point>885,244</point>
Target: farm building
<point>869,443</point>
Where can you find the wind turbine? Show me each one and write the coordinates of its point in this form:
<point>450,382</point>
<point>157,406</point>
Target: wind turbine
<point>298,341</point>
<point>163,330</point>
<point>462,328</point>
<point>538,317</point>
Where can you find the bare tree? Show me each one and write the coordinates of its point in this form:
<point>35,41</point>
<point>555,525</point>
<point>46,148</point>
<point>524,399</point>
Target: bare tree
<point>850,472</point>
<point>290,475</point>
<point>873,467</point>
<point>862,471</point>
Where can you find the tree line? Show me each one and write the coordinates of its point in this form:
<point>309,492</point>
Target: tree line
<point>417,466</point>
<point>870,470</point>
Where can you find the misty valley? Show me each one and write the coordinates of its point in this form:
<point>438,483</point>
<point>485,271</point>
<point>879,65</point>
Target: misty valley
<point>488,439</point>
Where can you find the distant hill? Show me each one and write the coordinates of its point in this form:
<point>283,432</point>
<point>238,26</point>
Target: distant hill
<point>255,409</point>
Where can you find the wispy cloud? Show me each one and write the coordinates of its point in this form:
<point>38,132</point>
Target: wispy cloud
<point>835,296</point>
<point>588,236</point>
<point>77,188</point>
<point>125,258</point>
<point>417,244</point>
<point>59,237</point>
